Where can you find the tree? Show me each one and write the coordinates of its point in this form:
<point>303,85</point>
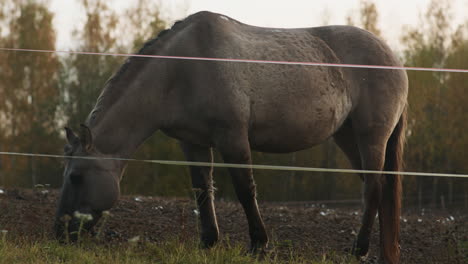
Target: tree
<point>84,76</point>
<point>145,21</point>
<point>368,17</point>
<point>456,107</point>
<point>28,86</point>
<point>436,122</point>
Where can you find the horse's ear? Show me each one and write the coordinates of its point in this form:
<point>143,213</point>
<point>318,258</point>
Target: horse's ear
<point>86,138</point>
<point>71,137</point>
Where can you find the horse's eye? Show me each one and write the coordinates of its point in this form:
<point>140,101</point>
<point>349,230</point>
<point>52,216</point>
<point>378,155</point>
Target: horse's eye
<point>76,178</point>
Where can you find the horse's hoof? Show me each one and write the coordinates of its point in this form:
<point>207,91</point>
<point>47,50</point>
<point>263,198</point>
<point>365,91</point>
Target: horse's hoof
<point>206,244</point>
<point>360,253</point>
<point>209,239</point>
<point>260,252</point>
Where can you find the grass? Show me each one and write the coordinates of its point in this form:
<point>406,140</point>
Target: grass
<point>171,252</point>
<point>18,249</point>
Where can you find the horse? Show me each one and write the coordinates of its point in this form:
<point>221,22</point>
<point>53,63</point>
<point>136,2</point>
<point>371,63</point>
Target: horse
<point>237,107</point>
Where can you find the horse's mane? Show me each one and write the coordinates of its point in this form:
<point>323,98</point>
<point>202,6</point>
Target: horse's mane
<point>107,96</point>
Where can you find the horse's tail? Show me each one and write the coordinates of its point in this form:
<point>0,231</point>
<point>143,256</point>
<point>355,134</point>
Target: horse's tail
<point>390,209</point>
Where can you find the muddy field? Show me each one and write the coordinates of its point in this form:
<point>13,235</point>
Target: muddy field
<point>427,237</point>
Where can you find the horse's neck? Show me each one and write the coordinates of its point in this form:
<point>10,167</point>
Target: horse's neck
<point>125,123</point>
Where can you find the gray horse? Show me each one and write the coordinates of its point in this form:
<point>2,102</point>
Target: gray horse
<point>235,107</point>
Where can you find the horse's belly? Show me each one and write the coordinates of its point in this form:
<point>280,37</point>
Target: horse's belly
<point>297,122</point>
<point>283,145</point>
<point>293,135</point>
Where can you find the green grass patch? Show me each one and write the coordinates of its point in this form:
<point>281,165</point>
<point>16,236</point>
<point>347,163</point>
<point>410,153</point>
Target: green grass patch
<point>171,252</point>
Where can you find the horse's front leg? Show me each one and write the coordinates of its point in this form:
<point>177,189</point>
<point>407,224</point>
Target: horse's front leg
<point>202,183</point>
<point>236,149</point>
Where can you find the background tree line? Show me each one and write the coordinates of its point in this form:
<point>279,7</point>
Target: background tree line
<point>42,92</point>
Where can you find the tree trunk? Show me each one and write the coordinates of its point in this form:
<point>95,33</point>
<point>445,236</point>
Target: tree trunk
<point>292,178</point>
<point>33,164</point>
<point>420,194</point>
<point>450,192</point>
<point>435,182</point>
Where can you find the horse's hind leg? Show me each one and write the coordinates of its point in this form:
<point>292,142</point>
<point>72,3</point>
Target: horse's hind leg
<point>372,145</point>
<point>346,139</point>
<point>235,148</point>
<point>202,183</point>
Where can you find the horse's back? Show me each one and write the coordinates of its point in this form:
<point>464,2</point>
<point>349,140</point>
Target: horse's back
<point>305,104</point>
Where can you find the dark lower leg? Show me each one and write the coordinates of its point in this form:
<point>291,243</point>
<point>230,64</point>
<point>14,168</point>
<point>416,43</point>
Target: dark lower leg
<point>246,193</point>
<point>202,183</point>
<point>235,148</point>
<point>208,223</point>
<point>244,185</point>
<point>372,200</point>
<point>372,157</point>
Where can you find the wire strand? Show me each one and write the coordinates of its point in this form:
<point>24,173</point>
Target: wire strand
<point>241,166</point>
<point>249,166</point>
<point>322,64</point>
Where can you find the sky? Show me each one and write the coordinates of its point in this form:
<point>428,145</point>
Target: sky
<point>394,14</point>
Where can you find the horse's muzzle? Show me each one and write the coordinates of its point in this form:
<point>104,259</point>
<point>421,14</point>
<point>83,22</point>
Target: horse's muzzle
<point>68,229</point>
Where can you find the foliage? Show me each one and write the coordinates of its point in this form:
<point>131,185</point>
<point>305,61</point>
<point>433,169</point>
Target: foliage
<point>28,89</point>
<point>146,17</point>
<point>368,17</point>
<point>436,138</point>
<point>84,76</point>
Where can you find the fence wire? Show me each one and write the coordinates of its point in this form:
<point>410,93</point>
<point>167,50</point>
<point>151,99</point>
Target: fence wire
<point>297,63</point>
<point>247,166</point>
<point>240,166</point>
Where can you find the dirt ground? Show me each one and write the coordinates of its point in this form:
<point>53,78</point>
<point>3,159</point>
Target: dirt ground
<point>426,237</point>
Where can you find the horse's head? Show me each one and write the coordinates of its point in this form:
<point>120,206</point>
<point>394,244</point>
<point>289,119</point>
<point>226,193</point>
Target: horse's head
<point>90,184</point>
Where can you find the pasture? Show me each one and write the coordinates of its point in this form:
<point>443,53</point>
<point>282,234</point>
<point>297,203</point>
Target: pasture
<point>164,230</point>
